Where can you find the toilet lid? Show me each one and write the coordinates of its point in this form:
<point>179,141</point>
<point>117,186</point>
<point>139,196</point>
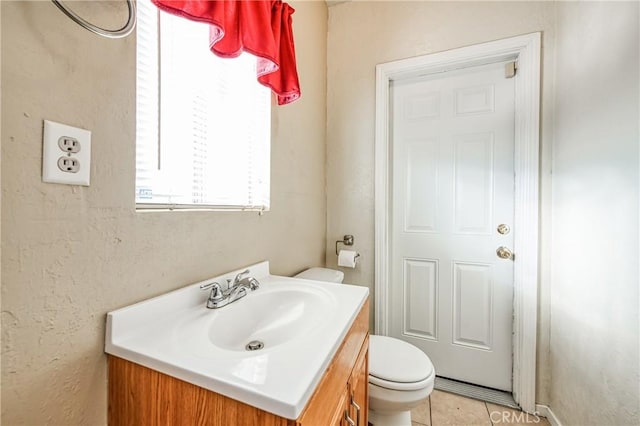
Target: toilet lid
<point>393,361</point>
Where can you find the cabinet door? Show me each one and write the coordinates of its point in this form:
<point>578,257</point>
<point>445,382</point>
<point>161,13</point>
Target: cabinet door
<point>339,417</point>
<point>359,387</point>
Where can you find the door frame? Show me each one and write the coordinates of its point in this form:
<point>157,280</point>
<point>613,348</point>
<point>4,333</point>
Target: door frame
<point>526,50</point>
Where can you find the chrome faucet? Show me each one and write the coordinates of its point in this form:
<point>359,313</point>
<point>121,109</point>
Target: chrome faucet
<point>236,280</point>
<point>236,289</point>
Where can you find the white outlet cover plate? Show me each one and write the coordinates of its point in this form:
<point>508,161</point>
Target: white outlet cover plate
<point>51,152</point>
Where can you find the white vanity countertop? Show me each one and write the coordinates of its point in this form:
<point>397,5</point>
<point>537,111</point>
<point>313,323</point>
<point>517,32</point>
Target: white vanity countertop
<point>177,335</point>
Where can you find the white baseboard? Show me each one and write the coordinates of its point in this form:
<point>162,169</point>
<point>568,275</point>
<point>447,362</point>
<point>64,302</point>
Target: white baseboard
<point>545,411</point>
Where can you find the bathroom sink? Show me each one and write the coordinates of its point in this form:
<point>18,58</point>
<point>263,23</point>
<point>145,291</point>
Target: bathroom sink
<point>269,316</point>
<point>294,328</point>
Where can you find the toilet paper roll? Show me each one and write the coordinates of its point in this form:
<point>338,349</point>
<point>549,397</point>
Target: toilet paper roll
<point>348,258</point>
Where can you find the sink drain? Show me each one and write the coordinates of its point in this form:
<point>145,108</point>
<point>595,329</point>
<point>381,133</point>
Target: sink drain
<point>254,345</point>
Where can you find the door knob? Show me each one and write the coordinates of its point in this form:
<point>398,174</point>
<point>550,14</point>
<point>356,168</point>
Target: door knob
<point>504,253</point>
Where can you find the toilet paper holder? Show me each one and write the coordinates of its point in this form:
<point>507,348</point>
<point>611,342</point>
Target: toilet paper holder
<point>347,241</point>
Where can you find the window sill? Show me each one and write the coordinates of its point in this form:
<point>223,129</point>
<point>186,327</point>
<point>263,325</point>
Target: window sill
<point>158,208</point>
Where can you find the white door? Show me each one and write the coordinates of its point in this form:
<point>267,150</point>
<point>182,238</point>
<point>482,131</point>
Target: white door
<point>452,187</point>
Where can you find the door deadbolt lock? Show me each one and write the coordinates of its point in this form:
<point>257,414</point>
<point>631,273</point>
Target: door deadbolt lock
<point>504,253</point>
<point>503,229</point>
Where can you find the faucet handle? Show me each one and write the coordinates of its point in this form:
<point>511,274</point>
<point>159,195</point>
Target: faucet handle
<point>240,276</point>
<point>207,286</point>
<point>216,290</point>
<point>254,284</point>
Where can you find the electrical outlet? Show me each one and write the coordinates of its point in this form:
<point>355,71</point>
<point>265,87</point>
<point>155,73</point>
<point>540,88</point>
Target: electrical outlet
<point>66,154</point>
<point>69,144</point>
<point>68,164</point>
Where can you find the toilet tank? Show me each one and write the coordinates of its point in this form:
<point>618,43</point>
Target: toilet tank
<point>322,274</point>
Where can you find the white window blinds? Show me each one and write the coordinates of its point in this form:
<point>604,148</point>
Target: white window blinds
<point>203,123</point>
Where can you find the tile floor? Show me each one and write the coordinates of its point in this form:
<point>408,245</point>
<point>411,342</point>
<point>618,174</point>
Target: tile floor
<point>447,409</point>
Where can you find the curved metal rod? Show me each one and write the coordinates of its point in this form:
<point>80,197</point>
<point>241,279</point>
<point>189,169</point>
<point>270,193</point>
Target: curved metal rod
<point>120,33</point>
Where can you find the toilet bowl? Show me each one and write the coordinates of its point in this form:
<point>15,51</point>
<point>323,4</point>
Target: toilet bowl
<point>401,376</point>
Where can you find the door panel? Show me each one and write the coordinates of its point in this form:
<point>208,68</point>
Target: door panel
<point>472,305</point>
<point>421,186</point>
<point>473,183</point>
<point>420,281</point>
<point>452,185</point>
<point>474,100</point>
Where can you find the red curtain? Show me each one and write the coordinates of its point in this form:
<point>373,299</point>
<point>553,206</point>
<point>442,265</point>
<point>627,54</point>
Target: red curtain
<point>260,27</point>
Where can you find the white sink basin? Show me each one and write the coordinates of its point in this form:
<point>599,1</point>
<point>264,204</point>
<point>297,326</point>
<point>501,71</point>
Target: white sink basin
<point>273,315</point>
<point>300,322</point>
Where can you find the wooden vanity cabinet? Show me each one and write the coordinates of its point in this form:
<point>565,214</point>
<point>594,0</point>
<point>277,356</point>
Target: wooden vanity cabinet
<point>345,377</point>
<point>359,387</point>
<point>139,395</point>
<point>353,405</point>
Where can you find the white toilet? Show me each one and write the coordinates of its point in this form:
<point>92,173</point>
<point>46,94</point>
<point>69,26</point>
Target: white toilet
<point>400,375</point>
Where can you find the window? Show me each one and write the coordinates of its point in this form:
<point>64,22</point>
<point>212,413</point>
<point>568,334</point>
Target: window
<point>203,123</point>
